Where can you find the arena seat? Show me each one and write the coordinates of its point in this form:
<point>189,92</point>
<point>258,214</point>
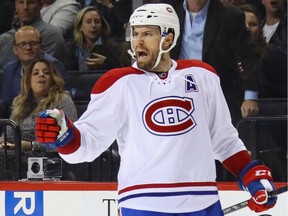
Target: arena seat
<point>80,83</point>
<point>81,106</point>
<point>272,107</point>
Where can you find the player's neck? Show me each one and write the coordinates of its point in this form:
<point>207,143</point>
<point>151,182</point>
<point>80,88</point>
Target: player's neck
<point>164,65</point>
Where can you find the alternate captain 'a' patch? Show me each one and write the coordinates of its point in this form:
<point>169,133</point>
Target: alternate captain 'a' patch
<point>190,84</point>
<point>169,116</point>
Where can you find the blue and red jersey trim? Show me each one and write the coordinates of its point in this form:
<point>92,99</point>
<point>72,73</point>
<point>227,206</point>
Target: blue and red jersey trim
<point>139,190</point>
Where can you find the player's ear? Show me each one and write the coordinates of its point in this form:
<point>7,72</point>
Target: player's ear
<point>168,41</point>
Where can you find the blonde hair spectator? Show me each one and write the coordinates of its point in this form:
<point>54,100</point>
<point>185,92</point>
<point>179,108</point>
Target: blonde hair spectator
<point>78,35</point>
<point>22,103</point>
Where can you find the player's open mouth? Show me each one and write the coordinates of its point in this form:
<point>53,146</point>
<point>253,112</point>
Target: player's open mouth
<point>142,55</point>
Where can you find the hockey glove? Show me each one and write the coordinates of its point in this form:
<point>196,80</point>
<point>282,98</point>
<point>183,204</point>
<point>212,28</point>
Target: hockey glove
<point>257,180</point>
<point>54,129</point>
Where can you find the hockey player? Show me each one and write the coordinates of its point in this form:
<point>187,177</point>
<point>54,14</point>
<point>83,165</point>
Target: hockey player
<point>170,120</point>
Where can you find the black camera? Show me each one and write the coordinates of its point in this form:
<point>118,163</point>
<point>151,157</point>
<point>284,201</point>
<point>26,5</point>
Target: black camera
<point>44,168</point>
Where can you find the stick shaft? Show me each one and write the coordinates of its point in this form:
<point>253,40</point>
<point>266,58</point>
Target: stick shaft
<point>244,203</point>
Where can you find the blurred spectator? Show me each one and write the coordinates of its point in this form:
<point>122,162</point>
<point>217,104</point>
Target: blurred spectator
<point>42,87</point>
<point>216,34</point>
<point>274,74</point>
<point>275,24</point>
<point>6,10</point>
<point>111,15</point>
<point>28,13</point>
<point>61,13</point>
<point>256,3</point>
<point>259,6</point>
<point>92,49</point>
<point>117,13</point>
<point>27,47</point>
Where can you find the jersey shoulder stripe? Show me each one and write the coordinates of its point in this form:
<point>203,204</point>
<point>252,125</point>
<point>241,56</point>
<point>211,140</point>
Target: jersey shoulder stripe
<point>111,76</point>
<point>182,64</point>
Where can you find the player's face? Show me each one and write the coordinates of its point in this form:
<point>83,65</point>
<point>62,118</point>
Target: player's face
<point>145,41</point>
<point>41,79</point>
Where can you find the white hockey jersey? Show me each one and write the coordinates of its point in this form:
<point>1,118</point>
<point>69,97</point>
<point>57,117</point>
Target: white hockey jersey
<point>169,131</point>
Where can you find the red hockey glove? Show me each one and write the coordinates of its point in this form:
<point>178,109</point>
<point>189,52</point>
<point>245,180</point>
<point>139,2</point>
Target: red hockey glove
<point>54,128</point>
<point>257,179</point>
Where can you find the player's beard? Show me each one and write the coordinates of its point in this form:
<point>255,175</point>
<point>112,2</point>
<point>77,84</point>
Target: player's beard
<point>147,65</point>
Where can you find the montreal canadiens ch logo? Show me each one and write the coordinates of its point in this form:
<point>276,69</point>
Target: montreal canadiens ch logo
<point>169,116</point>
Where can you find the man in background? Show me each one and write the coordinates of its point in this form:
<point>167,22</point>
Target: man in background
<point>28,13</point>
<point>216,34</point>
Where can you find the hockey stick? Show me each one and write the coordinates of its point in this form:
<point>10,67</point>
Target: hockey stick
<point>244,203</point>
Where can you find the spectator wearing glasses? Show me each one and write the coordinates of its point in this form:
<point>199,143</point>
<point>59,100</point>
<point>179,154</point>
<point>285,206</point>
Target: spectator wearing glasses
<point>27,46</point>
<point>28,13</point>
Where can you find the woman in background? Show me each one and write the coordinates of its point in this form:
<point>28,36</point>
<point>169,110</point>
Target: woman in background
<point>92,48</point>
<point>42,87</point>
<point>274,59</point>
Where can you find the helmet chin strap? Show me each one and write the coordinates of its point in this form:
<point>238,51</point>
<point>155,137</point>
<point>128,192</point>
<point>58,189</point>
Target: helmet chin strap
<point>160,53</point>
<point>133,55</point>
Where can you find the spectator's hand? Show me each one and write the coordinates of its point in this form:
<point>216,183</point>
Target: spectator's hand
<point>95,60</point>
<point>257,179</point>
<point>25,145</point>
<point>54,128</point>
<point>9,146</point>
<point>249,108</point>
